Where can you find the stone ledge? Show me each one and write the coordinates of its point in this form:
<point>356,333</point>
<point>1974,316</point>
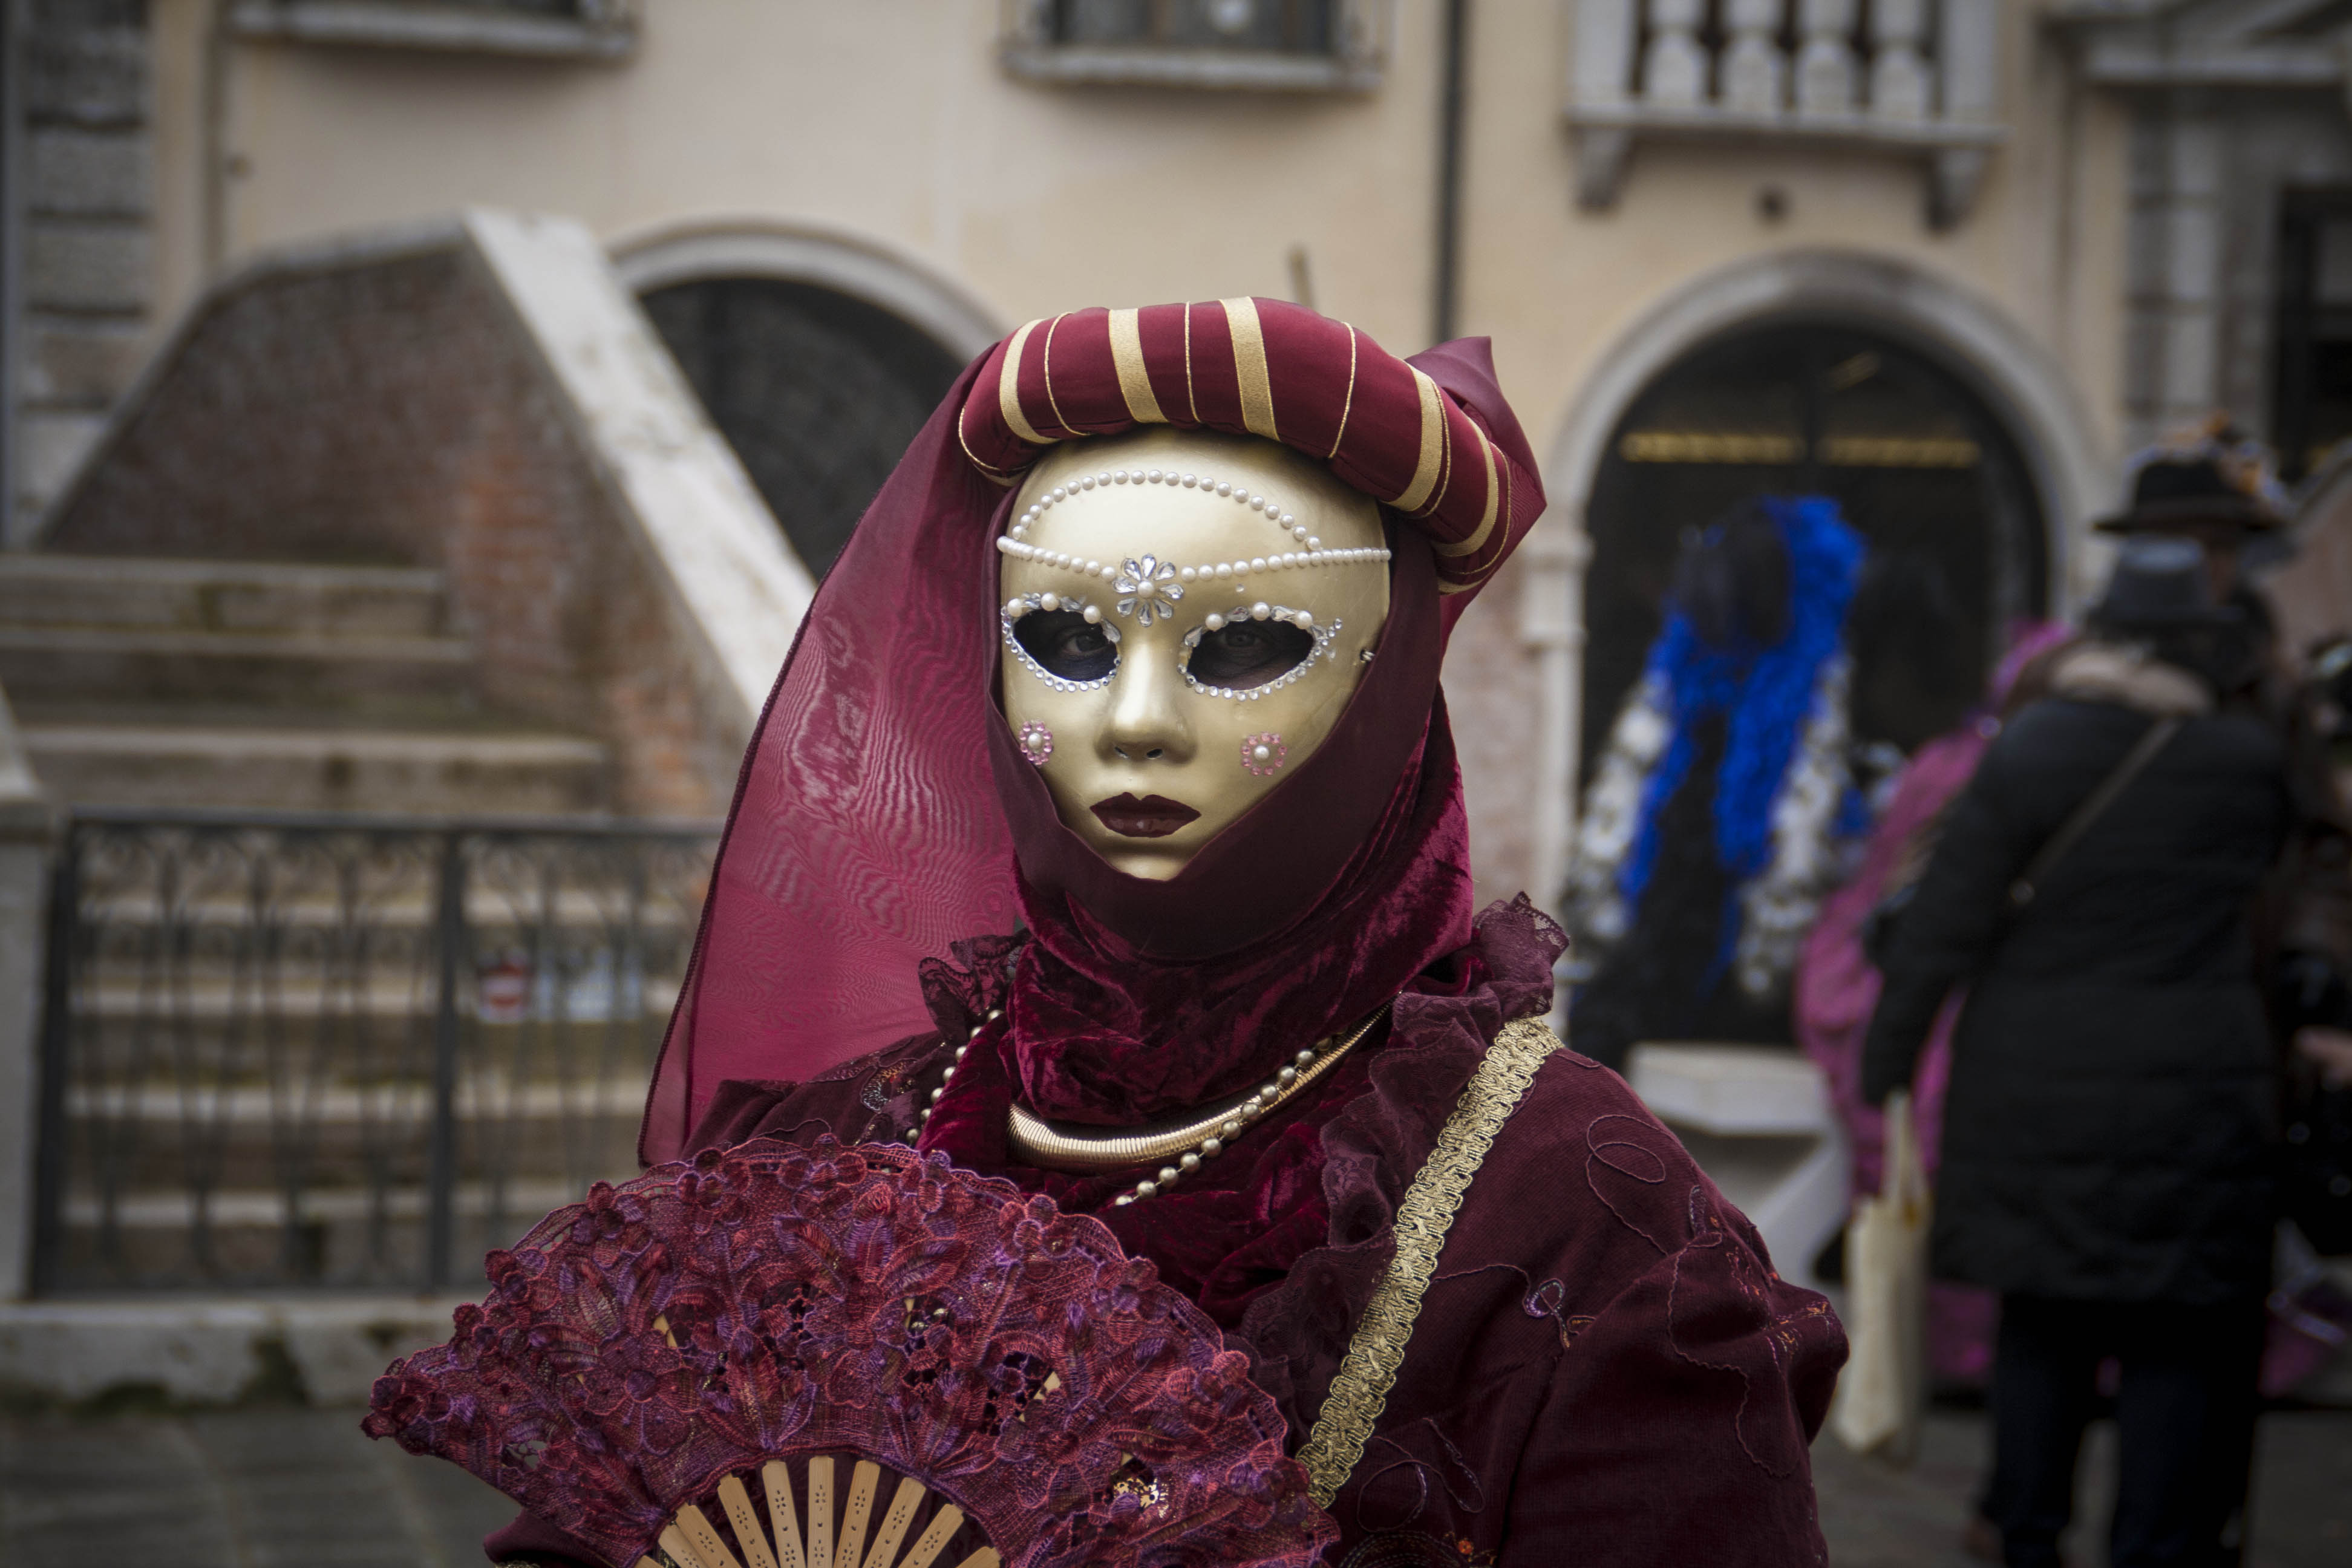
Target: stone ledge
<point>211,1350</point>
<point>1231,70</point>
<point>95,77</point>
<point>1731,1091</point>
<point>75,359</point>
<point>606,31</point>
<point>290,646</point>
<point>89,173</point>
<point>53,445</point>
<point>89,264</point>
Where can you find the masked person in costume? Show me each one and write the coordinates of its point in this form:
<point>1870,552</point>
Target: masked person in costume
<point>1104,834</point>
<point>1714,822</point>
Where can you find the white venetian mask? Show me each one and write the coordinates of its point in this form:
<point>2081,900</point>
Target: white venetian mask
<point>1185,616</point>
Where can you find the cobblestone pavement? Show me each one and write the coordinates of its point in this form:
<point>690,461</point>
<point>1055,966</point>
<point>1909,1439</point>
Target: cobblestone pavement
<point>1877,1518</point>
<point>289,1488</point>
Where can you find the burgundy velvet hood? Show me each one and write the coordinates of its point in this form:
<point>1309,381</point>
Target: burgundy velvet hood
<point>880,818</point>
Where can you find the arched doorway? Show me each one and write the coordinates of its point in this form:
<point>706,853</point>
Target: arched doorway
<point>818,392</point>
<point>1920,463</point>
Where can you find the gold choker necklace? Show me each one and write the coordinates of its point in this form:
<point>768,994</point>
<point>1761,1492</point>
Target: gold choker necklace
<point>1201,1136</point>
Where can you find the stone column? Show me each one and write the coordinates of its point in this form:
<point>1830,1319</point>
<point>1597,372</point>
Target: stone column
<point>83,160</point>
<point>24,843</point>
<point>2172,349</point>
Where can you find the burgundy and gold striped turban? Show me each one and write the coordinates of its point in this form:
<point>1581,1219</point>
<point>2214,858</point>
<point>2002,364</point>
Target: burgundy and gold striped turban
<point>1429,437</point>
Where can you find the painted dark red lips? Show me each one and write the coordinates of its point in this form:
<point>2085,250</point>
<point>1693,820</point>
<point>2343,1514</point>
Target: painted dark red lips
<point>1153,816</point>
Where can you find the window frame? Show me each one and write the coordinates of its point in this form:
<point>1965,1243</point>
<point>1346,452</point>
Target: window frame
<point>600,30</point>
<point>1354,62</point>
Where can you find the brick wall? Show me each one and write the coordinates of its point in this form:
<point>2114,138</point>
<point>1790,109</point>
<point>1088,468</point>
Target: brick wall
<point>1491,688</point>
<point>389,408</point>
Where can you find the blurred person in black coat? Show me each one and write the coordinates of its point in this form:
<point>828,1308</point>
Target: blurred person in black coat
<point>2108,1140</point>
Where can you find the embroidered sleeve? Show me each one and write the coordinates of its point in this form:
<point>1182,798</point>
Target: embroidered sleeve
<point>1679,1419</point>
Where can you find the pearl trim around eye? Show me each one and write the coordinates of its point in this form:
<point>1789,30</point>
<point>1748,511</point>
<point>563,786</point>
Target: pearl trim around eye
<point>1325,636</point>
<point>1014,608</point>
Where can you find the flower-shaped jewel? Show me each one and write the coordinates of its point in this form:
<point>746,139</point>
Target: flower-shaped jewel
<point>1263,754</point>
<point>1037,742</point>
<point>1148,589</point>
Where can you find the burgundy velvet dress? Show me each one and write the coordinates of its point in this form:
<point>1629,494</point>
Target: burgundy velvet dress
<point>1604,1369</point>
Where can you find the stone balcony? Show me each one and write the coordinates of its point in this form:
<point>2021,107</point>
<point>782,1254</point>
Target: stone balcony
<point>1898,76</point>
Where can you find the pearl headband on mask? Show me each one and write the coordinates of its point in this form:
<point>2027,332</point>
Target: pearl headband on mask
<point>1151,586</point>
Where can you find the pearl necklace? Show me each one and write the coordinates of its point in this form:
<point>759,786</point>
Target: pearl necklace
<point>961,1051</point>
<point>1202,1136</point>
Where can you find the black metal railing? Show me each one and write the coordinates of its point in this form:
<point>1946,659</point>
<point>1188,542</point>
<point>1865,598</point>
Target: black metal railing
<point>294,1049</point>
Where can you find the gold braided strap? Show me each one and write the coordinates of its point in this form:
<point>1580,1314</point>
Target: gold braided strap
<point>1359,1392</point>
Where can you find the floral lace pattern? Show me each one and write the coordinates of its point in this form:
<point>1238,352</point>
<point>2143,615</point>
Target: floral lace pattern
<point>773,1301</point>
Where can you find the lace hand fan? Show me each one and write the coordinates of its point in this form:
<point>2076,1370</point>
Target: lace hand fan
<point>852,1358</point>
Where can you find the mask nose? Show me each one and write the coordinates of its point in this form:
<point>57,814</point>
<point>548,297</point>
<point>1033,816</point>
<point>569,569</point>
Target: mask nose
<point>1146,713</point>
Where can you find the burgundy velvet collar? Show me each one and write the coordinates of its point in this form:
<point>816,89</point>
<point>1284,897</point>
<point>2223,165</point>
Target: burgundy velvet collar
<point>1097,1031</point>
<point>1103,1032</point>
<point>1316,1180</point>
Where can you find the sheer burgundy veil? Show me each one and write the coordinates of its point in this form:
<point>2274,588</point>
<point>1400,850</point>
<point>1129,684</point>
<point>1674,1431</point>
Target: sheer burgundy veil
<point>868,831</point>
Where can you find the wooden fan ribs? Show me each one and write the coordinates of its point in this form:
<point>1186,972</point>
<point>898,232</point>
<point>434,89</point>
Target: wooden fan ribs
<point>777,1477</point>
<point>748,1533</point>
<point>895,1522</point>
<point>692,1540</point>
<point>820,1510</point>
<point>863,1482</point>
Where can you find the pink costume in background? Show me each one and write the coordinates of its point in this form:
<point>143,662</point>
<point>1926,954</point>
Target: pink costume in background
<point>1836,988</point>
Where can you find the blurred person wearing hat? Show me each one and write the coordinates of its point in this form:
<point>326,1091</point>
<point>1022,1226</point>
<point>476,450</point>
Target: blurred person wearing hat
<point>2214,484</point>
<point>2110,1126</point>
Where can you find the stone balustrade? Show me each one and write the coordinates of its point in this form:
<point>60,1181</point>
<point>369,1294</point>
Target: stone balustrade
<point>1918,77</point>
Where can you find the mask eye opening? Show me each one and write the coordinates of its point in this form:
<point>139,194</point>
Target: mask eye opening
<point>1068,614</point>
<point>1219,683</point>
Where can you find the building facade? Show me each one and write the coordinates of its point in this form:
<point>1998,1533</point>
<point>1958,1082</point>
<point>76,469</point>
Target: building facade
<point>1945,259</point>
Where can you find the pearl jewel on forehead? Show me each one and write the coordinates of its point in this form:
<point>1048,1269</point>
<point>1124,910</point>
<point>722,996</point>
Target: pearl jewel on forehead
<point>1149,587</point>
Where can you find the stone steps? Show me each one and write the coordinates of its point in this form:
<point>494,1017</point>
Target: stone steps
<point>257,1011</point>
<point>382,1159</point>
<point>342,1236</point>
<point>259,597</point>
<point>268,685</point>
<point>437,772</point>
<point>363,678</point>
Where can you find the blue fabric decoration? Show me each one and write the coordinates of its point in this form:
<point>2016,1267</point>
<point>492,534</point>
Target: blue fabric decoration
<point>1766,694</point>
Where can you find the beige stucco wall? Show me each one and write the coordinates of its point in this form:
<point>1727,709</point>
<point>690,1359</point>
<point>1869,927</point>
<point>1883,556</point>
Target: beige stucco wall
<point>891,121</point>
